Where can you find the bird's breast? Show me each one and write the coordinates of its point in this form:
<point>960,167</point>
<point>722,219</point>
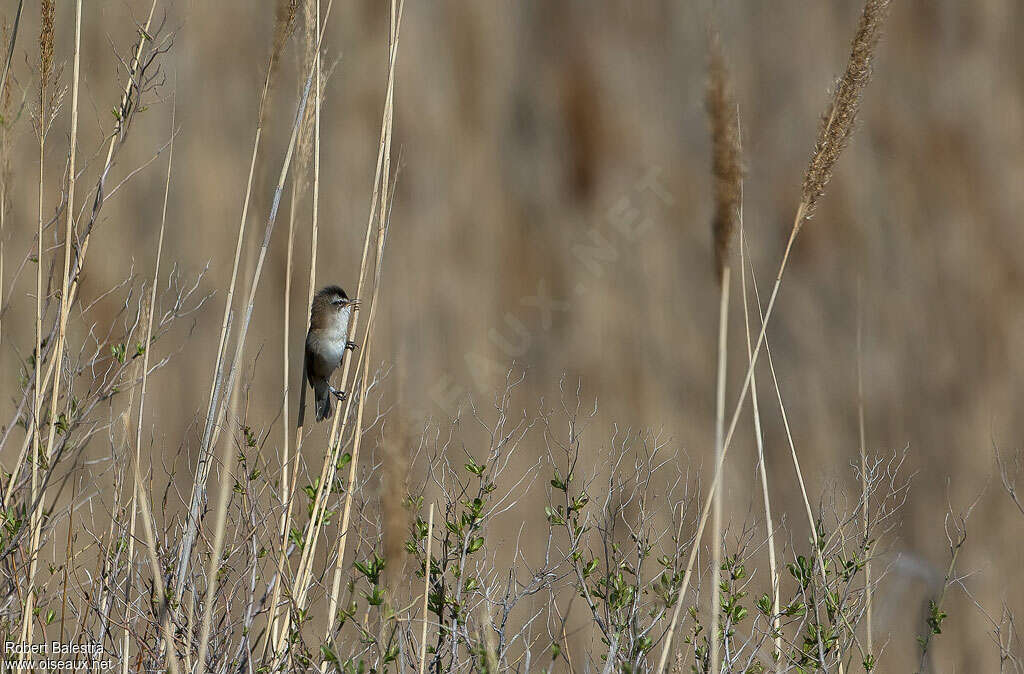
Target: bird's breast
<point>327,344</point>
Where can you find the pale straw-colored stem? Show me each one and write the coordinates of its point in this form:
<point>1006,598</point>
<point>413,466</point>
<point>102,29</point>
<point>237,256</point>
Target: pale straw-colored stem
<point>158,581</point>
<point>289,489</point>
<point>716,521</point>
<point>865,494</point>
<point>64,307</point>
<point>799,474</point>
<point>218,546</point>
<point>228,460</point>
<point>705,511</point>
<point>202,469</point>
<point>818,545</point>
<point>37,397</point>
<point>762,469</point>
<point>339,424</point>
<point>236,362</point>
<point>142,391</point>
<point>381,231</point>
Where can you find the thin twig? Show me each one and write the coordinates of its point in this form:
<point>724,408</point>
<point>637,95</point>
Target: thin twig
<point>426,593</point>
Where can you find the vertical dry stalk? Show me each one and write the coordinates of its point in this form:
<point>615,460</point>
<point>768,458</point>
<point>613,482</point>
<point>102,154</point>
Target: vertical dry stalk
<point>45,69</point>
<point>799,478</point>
<point>716,524</point>
<point>286,344</point>
<point>243,331</point>
<point>312,532</point>
<point>863,473</point>
<point>315,222</point>
<point>142,390</point>
<point>298,187</point>
<point>282,30</point>
<point>45,63</point>
<point>727,174</point>
<point>384,163</point>
<point>290,473</point>
<point>213,573</point>
<point>303,155</point>
<point>426,592</point>
<point>762,469</point>
<point>164,611</point>
<point>286,12</point>
<point>833,137</point>
<point>65,304</point>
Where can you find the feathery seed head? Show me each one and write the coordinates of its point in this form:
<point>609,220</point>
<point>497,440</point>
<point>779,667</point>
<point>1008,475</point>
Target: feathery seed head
<point>837,123</point>
<point>726,161</point>
<point>46,8</point>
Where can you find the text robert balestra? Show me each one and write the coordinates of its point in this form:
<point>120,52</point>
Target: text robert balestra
<point>52,648</point>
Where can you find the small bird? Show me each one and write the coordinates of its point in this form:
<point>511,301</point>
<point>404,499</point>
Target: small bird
<point>326,343</point>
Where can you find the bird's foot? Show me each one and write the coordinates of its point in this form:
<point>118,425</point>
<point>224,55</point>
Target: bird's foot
<point>351,346</point>
<point>340,395</point>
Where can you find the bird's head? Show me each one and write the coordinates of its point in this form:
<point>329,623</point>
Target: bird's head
<point>327,303</point>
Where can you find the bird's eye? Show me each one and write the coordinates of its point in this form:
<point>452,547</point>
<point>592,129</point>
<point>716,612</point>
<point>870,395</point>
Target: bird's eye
<point>337,301</point>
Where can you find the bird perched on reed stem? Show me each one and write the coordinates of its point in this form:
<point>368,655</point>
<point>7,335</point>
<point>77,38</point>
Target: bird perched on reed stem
<point>326,343</point>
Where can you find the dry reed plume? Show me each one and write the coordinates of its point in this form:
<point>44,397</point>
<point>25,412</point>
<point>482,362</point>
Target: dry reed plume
<point>839,120</point>
<point>832,138</point>
<point>726,162</point>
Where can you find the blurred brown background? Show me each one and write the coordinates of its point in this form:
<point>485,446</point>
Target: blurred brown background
<point>553,208</point>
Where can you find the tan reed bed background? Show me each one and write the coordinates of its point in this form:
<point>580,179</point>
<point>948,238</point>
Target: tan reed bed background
<point>551,208</point>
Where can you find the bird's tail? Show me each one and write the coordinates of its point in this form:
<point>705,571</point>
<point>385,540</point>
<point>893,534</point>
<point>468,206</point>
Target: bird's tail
<point>300,418</point>
<point>323,403</point>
